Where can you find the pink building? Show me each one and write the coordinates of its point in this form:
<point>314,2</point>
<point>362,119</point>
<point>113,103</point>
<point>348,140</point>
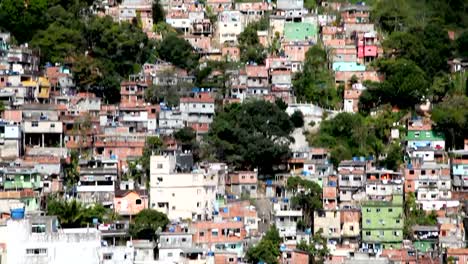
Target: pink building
<point>128,203</point>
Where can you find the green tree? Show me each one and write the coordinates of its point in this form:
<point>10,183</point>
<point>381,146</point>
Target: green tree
<point>153,144</point>
<point>297,118</point>
<point>315,83</point>
<point>307,196</point>
<point>267,250</point>
<point>451,117</point>
<point>178,51</point>
<point>415,216</point>
<point>158,12</point>
<point>404,86</point>
<point>250,48</point>
<point>147,223</point>
<point>317,248</point>
<point>255,134</point>
<point>72,214</point>
<point>72,174</point>
<point>462,45</point>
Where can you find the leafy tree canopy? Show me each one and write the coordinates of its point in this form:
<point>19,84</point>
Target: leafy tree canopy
<point>177,51</point>
<point>267,250</point>
<point>348,135</point>
<point>72,214</point>
<point>315,83</point>
<point>147,222</point>
<point>255,134</point>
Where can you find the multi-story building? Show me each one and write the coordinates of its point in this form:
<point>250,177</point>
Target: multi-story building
<point>229,26</point>
<point>382,224</point>
<point>329,221</point>
<point>383,184</point>
<point>459,170</point>
<point>425,238</point>
<point>350,227</point>
<point>242,183</point>
<point>351,181</point>
<point>22,184</point>
<point>219,236</point>
<point>97,181</point>
<point>11,139</point>
<point>425,138</point>
<point>286,218</point>
<point>172,244</point>
<point>198,111</point>
<point>38,239</point>
<point>180,191</point>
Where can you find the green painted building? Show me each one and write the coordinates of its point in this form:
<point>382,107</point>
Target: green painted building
<point>425,238</point>
<point>22,179</point>
<point>300,32</point>
<point>382,224</point>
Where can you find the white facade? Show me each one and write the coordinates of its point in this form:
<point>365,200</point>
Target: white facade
<point>286,219</point>
<point>348,105</point>
<point>197,112</point>
<point>25,245</point>
<point>229,26</point>
<point>186,195</point>
<point>170,121</point>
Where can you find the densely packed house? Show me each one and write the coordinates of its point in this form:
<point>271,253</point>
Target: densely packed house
<point>49,131</point>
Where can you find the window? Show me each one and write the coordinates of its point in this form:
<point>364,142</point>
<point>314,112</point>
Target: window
<point>281,219</point>
<point>381,233</point>
<point>390,210</point>
<point>173,194</point>
<point>36,251</point>
<point>367,233</point>
<point>169,254</point>
<point>368,210</point>
<point>214,232</point>
<point>396,233</point>
<point>398,221</point>
<point>107,256</point>
<point>368,221</point>
<point>52,125</point>
<point>231,260</point>
<point>351,228</point>
<point>173,207</point>
<point>201,234</point>
<point>233,246</point>
<point>356,178</point>
<point>34,124</point>
<point>38,228</point>
<point>159,166</point>
<point>184,239</point>
<point>138,201</point>
<point>345,178</point>
<point>377,210</point>
<point>252,187</point>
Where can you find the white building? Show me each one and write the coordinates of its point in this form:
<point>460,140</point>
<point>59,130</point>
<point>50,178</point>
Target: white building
<point>229,26</point>
<point>286,219</point>
<point>181,193</point>
<point>39,240</point>
<point>170,120</point>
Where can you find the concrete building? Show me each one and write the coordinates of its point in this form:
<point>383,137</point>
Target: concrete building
<point>286,218</point>
<point>97,181</point>
<point>198,111</point>
<point>181,192</point>
<point>39,240</point>
<point>11,139</point>
<point>219,236</point>
<point>382,224</point>
<point>172,244</point>
<point>229,26</point>
<point>329,221</point>
<point>242,183</point>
